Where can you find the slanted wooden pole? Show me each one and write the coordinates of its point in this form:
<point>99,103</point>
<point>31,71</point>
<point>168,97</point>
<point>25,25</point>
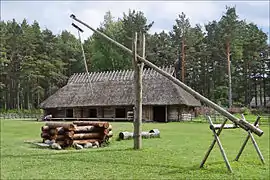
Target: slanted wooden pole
<point>219,144</point>
<point>253,141</point>
<point>143,50</point>
<point>138,97</point>
<point>241,123</point>
<point>213,143</point>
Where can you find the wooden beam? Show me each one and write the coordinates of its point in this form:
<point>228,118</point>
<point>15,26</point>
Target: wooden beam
<point>244,125</point>
<point>227,126</point>
<point>213,143</point>
<point>138,97</point>
<point>219,145</point>
<point>253,141</point>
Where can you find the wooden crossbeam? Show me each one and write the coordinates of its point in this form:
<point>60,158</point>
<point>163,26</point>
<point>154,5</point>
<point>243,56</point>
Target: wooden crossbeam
<point>256,123</point>
<point>226,126</point>
<point>222,126</point>
<point>216,134</point>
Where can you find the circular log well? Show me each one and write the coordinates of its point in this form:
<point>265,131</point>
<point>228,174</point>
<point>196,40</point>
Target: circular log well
<point>81,132</point>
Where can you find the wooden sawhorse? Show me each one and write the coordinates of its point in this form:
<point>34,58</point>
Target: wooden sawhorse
<point>222,126</point>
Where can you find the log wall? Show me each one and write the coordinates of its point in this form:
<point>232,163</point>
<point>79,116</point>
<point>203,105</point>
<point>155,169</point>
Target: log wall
<point>109,112</point>
<point>174,113</point>
<point>180,113</point>
<point>100,112</point>
<point>147,113</point>
<point>85,112</point>
<point>77,112</point>
<point>56,113</point>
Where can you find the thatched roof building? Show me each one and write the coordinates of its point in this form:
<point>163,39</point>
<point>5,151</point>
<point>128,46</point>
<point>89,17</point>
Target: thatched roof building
<point>116,88</point>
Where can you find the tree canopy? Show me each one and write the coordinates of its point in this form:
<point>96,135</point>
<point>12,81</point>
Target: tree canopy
<point>35,63</point>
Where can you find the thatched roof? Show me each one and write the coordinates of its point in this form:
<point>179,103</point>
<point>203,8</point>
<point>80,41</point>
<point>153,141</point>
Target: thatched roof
<point>117,88</point>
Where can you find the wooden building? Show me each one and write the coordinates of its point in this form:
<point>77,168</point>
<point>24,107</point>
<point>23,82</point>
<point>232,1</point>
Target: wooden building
<point>111,95</point>
<point>260,102</point>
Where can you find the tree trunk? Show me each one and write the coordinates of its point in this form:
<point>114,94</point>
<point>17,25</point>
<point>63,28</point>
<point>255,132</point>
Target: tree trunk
<point>255,91</point>
<point>261,96</point>
<point>264,94</point>
<point>183,61</point>
<point>18,95</point>
<point>229,72</point>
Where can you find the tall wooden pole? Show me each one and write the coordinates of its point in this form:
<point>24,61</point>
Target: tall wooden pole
<point>241,123</point>
<point>84,58</point>
<point>138,97</point>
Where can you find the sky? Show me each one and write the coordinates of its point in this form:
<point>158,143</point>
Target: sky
<point>54,15</point>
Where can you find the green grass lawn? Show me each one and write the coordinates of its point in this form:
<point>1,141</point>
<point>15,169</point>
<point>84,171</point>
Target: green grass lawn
<point>176,155</point>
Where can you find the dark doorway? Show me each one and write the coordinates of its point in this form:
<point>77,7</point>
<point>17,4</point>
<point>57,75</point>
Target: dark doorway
<point>159,113</point>
<point>93,113</point>
<point>120,112</point>
<point>69,113</point>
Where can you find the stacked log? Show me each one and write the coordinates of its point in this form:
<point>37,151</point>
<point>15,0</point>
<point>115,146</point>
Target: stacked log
<point>154,133</point>
<point>78,134</point>
<point>96,133</point>
<point>60,133</point>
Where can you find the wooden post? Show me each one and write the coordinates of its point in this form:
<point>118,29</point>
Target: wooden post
<point>244,125</point>
<point>138,97</point>
<point>213,143</point>
<point>253,141</point>
<point>219,144</point>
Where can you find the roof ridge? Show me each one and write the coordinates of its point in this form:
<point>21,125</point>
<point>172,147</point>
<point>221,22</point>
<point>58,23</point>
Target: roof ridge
<point>118,74</point>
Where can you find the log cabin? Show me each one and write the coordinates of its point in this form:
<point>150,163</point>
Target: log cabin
<point>110,95</point>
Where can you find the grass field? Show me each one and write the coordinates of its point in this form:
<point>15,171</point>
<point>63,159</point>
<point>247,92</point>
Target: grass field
<point>176,155</point>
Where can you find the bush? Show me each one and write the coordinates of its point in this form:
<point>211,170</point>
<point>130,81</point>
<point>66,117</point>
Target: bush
<point>246,111</point>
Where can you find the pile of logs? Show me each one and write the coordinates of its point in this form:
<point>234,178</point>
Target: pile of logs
<point>154,133</point>
<point>80,134</point>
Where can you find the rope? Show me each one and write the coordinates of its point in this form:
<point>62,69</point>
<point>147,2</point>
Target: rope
<point>85,64</point>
